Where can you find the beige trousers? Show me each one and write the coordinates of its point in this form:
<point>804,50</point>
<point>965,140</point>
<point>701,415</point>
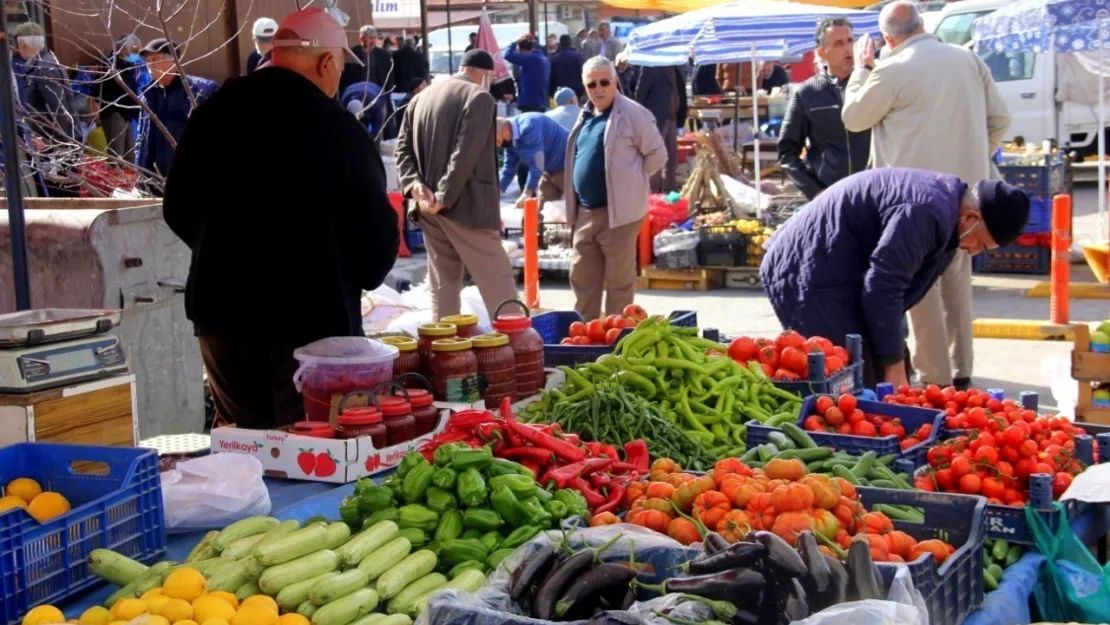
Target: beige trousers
<point>453,250</point>
<point>941,325</point>
<point>604,261</point>
<point>551,188</point>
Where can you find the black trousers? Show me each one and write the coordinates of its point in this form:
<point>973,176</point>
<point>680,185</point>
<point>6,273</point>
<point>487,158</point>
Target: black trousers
<point>252,381</point>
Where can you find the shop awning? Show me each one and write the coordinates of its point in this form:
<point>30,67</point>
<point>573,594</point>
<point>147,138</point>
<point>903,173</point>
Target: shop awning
<point>437,18</point>
<point>682,6</point>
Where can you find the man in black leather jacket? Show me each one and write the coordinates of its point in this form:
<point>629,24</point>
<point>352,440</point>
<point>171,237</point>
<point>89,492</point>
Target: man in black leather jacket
<point>812,119</point>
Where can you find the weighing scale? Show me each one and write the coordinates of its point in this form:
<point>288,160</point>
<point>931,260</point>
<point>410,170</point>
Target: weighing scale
<point>53,347</point>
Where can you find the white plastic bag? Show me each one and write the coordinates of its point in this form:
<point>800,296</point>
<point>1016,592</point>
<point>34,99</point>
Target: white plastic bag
<point>213,491</point>
<point>1057,370</point>
<point>870,612</point>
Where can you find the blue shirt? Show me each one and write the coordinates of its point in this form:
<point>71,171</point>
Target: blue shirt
<point>19,69</point>
<point>540,143</point>
<point>535,76</point>
<point>589,162</point>
<point>566,115</point>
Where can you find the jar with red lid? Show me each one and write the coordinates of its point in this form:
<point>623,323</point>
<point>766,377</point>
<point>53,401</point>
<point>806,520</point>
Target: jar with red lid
<point>363,421</point>
<point>527,347</point>
<point>454,370</point>
<point>408,357</point>
<point>400,425</point>
<point>315,429</point>
<point>425,413</point>
<point>496,367</point>
<point>466,326</point>
<point>432,332</point>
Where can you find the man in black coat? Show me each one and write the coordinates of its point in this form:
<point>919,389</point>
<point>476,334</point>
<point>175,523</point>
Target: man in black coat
<point>662,90</point>
<point>408,63</point>
<point>566,68</point>
<point>259,288</point>
<point>376,63</point>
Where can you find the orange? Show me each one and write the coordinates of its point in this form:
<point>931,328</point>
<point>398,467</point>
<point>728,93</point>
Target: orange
<point>48,506</point>
<point>25,488</point>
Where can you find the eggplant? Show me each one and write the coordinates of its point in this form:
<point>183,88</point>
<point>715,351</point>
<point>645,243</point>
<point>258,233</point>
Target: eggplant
<point>714,542</point>
<point>722,610</point>
<point>617,598</point>
<point>531,571</point>
<point>838,575</point>
<point>743,617</point>
<point>582,595</point>
<point>864,579</point>
<point>616,617</point>
<point>817,581</point>
<point>725,586</point>
<point>796,607</point>
<point>780,555</point>
<point>735,556</point>
<point>557,581</point>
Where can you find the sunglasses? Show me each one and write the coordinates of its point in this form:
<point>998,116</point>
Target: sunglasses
<point>594,85</point>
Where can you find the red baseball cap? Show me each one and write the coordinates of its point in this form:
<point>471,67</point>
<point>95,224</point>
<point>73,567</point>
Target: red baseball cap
<point>313,28</point>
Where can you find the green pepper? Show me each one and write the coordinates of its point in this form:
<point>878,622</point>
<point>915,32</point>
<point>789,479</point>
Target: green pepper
<point>418,516</point>
<point>469,533</point>
<point>462,566</point>
<point>440,500</point>
<point>416,536</point>
<point>506,504</point>
<point>557,510</point>
<point>471,487</point>
<point>445,478</point>
<point>389,514</point>
<point>491,539</point>
<point>574,501</point>
<point>374,498</point>
<point>500,466</point>
<point>442,455</point>
<point>482,519</point>
<point>348,509</point>
<point>543,494</point>
<point>410,461</point>
<point>362,485</point>
<point>417,482</point>
<point>463,459</point>
<point>462,550</point>
<point>519,536</point>
<point>394,483</point>
<point>450,526</point>
<point>496,557</point>
<point>520,485</point>
<point>534,512</point>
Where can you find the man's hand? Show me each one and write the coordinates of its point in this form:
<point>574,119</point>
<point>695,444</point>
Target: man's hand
<point>432,208</point>
<point>422,195</point>
<point>524,196</point>
<point>896,374</point>
<point>865,52</point>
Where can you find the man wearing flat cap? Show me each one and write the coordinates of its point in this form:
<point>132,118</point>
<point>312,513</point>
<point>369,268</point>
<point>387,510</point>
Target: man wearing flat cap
<point>870,247</point>
<point>447,164</point>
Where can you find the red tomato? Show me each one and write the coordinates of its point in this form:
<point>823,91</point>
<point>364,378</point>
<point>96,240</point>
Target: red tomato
<point>817,344</point>
<point>786,375</point>
<point>842,354</point>
<point>970,484</point>
<point>1060,483</point>
<point>577,329</point>
<point>612,335</point>
<point>960,467</point>
<point>945,479</point>
<point>824,402</point>
<point>1013,436</point>
<point>988,455</point>
<point>864,428</point>
<point>847,403</point>
<point>769,356</point>
<point>794,360</point>
<point>907,443</point>
<point>845,428</point>
<point>596,331</point>
<point>833,365</point>
<point>580,340</point>
<point>611,321</point>
<point>635,311</point>
<point>813,423</point>
<point>834,416</point>
<point>1028,448</point>
<point>789,338</point>
<point>743,350</point>
<point>627,322</point>
<point>857,416</point>
<point>566,341</point>
<point>768,370</point>
<point>992,487</point>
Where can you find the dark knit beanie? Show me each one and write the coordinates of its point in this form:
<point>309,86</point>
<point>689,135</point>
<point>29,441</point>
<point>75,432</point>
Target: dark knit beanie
<point>478,59</point>
<point>1005,210</point>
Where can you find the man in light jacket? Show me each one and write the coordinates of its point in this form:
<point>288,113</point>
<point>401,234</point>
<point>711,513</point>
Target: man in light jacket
<point>604,44</point>
<point>611,155</point>
<point>906,99</point>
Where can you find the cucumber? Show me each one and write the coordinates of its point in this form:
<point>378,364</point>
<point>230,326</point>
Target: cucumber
<point>384,557</point>
<point>469,580</point>
<point>205,549</point>
<point>306,609</point>
<point>406,572</point>
<point>204,567</point>
<point>998,550</point>
<point>1013,554</point>
<point>394,619</point>
<point>365,543</point>
<point>292,546</point>
<point>228,578</point>
<point>405,601</point>
<point>252,568</point>
<point>281,529</point>
<point>344,610</point>
<point>241,547</point>
<point>250,526</point>
<point>337,586</point>
<point>277,577</point>
<point>128,591</point>
<point>295,594</point>
<point>799,436</point>
<point>153,577</point>
<point>374,618</point>
<point>338,534</point>
<point>249,589</point>
<point>115,568</point>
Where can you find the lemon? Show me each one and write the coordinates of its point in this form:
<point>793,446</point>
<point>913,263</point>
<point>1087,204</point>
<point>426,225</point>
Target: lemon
<point>154,592</point>
<point>187,584</point>
<point>25,488</point>
<point>230,598</point>
<point>263,601</point>
<point>44,615</point>
<point>48,506</point>
<point>177,610</point>
<point>215,621</point>
<point>157,603</point>
<point>255,614</point>
<point>293,619</point>
<point>154,619</point>
<point>96,615</point>
<point>192,622</point>
<point>211,606</point>
<point>118,623</point>
<point>127,609</point>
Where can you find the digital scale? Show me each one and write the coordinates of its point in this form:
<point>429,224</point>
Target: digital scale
<point>52,347</point>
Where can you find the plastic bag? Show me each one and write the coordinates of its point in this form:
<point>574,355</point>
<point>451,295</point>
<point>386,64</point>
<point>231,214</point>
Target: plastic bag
<point>1057,371</point>
<point>663,214</point>
<point>213,491</point>
<point>1072,588</point>
<point>674,240</point>
<point>870,612</point>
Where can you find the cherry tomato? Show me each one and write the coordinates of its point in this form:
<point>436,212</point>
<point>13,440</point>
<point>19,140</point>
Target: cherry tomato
<point>834,416</point>
<point>847,403</point>
<point>813,423</point>
<point>945,479</point>
<point>857,416</point>
<point>992,487</point>
<point>1028,448</point>
<point>988,455</point>
<point>596,331</point>
<point>612,321</point>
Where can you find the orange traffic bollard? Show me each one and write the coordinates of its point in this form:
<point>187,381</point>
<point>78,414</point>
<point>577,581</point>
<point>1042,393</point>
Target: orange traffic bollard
<point>532,253</point>
<point>1058,306</point>
<point>645,250</point>
<point>398,202</point>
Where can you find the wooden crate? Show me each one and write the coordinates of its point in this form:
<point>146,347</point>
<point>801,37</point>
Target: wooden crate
<point>102,412</point>
<point>697,279</point>
<point>743,278</point>
<point>1088,367</point>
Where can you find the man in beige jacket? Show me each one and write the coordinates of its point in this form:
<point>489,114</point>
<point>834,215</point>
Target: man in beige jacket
<point>930,106</point>
<point>612,153</point>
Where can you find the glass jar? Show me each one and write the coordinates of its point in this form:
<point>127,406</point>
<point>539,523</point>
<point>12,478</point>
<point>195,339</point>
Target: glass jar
<point>466,326</point>
<point>426,415</point>
<point>527,347</point>
<point>496,368</point>
<point>400,425</point>
<point>454,371</point>
<point>431,332</point>
<point>315,429</point>
<point>408,358</point>
<point>363,421</point>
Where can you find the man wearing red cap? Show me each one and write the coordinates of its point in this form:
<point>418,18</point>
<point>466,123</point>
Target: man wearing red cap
<point>282,246</point>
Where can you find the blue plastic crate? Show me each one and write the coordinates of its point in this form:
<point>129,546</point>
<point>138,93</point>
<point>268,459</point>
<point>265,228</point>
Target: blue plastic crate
<point>912,418</point>
<point>1014,258</point>
<point>117,504</point>
<point>847,380</point>
<point>1046,180</point>
<point>1040,216</point>
<point>955,588</point>
<point>415,239</point>
<point>554,326</point>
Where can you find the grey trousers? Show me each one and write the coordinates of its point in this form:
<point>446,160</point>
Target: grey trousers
<point>121,140</point>
<point>941,324</point>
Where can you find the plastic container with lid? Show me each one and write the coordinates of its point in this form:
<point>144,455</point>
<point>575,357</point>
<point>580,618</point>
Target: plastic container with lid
<point>408,358</point>
<point>466,326</point>
<point>359,421</point>
<point>454,370</point>
<point>431,332</point>
<point>527,347</point>
<point>400,425</point>
<point>315,429</point>
<point>332,367</point>
<point>496,367</point>
<point>421,400</point>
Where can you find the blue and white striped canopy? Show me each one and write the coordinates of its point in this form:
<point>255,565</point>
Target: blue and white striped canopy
<point>1031,25</point>
<point>725,33</point>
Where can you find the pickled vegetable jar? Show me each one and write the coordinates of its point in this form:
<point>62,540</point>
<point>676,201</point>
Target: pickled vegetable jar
<point>496,367</point>
<point>426,415</point>
<point>454,370</point>
<point>315,429</point>
<point>466,326</point>
<point>363,421</point>
<point>332,367</point>
<point>431,332</point>
<point>527,347</point>
<point>408,357</point>
<point>400,425</point>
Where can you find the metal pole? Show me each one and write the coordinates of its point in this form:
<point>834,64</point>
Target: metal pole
<point>450,46</point>
<point>14,186</point>
<point>1101,123</point>
<point>755,123</point>
<point>423,34</point>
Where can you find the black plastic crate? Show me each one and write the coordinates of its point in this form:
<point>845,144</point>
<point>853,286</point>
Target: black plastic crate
<point>682,259</point>
<point>1014,258</point>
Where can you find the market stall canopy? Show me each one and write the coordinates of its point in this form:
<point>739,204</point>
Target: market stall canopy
<point>726,33</point>
<point>1031,25</point>
<point>681,6</point>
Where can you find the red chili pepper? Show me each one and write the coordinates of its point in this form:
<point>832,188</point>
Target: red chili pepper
<point>455,437</point>
<point>532,466</point>
<point>594,447</point>
<point>621,467</point>
<point>553,429</point>
<point>593,498</point>
<point>489,431</point>
<point>507,415</point>
<point>564,474</point>
<point>470,418</point>
<point>636,454</point>
<point>561,448</point>
<point>616,497</point>
<point>540,456</point>
<point>610,451</point>
<point>600,480</point>
<point>573,439</point>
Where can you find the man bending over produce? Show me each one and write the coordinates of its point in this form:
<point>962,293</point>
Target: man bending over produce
<point>856,258</point>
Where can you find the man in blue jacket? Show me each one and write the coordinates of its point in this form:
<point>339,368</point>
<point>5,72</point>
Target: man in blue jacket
<point>535,141</point>
<point>856,258</point>
<point>535,74</point>
<point>566,69</point>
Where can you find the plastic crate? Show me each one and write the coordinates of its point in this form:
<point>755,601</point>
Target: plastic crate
<point>1014,258</point>
<point>415,239</point>
<point>117,504</point>
<point>1046,180</point>
<point>721,246</point>
<point>682,259</point>
<point>753,252</point>
<point>554,326</point>
<point>955,588</point>
<point>1040,215</point>
<point>912,418</point>
<point>847,380</point>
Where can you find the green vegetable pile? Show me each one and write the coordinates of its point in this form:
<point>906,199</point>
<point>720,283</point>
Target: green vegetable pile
<point>998,555</point>
<point>468,508</point>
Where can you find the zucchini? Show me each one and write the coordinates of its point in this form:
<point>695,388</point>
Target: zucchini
<point>250,526</point>
<point>205,549</point>
<point>204,567</point>
<point>297,593</point>
<point>153,578</point>
<point>406,572</point>
<point>799,436</point>
<point>277,577</point>
<point>248,590</point>
<point>118,569</point>
<point>337,586</point>
<point>292,546</point>
<point>374,618</point>
<point>252,568</point>
<point>338,534</point>
<point>241,547</point>
<point>157,572</point>
<point>281,529</point>
<point>469,580</point>
<point>386,556</point>
<point>781,441</point>
<point>307,609</point>
<point>228,578</point>
<point>365,543</point>
<point>344,610</point>
<point>405,601</point>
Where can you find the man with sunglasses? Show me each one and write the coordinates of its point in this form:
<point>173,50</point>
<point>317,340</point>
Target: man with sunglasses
<point>613,151</point>
<point>870,247</point>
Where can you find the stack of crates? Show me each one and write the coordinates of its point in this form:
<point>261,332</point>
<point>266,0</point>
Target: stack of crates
<point>1029,254</point>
